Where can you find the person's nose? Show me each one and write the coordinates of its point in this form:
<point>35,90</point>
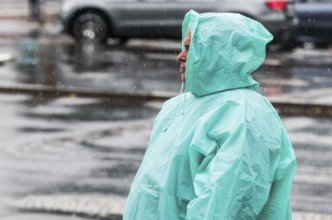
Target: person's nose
<point>182,57</point>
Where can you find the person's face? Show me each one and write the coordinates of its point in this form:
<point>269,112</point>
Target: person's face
<point>182,57</point>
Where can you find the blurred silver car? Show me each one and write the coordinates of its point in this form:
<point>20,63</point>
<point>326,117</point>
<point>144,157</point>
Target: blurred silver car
<point>315,21</point>
<point>100,19</point>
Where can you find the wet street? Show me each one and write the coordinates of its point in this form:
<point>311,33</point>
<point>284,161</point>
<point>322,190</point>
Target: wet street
<point>69,146</point>
<point>82,147</point>
<point>78,152</point>
<point>145,66</point>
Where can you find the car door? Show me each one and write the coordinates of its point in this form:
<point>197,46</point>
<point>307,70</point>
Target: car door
<point>181,7</point>
<point>144,18</point>
<point>315,20</point>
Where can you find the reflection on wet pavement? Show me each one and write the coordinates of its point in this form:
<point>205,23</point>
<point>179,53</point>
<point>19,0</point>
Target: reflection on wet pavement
<point>312,140</point>
<point>94,66</point>
<point>111,68</point>
<point>293,78</point>
<point>70,145</point>
<point>43,115</point>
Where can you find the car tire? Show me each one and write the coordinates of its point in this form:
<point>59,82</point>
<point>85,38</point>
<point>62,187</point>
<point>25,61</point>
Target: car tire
<point>90,26</point>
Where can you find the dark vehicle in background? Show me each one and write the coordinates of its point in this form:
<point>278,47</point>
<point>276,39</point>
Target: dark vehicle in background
<point>123,19</point>
<point>315,21</point>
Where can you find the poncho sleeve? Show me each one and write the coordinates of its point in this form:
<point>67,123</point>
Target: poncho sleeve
<point>242,165</point>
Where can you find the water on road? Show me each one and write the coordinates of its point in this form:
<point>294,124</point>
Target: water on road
<point>75,152</point>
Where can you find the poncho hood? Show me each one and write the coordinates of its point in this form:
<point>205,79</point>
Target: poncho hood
<point>225,49</point>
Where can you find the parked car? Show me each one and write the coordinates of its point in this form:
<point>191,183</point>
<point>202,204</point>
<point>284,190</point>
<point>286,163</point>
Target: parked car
<point>100,19</point>
<point>315,21</point>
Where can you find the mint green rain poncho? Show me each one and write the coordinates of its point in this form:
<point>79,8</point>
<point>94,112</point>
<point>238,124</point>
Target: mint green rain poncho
<point>218,151</point>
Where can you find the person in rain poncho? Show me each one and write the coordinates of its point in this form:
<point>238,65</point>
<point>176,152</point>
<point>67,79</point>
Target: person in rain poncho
<point>218,151</point>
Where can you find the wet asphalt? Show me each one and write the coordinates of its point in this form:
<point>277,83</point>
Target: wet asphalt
<point>72,147</point>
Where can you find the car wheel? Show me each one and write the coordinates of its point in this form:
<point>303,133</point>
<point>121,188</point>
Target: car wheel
<point>90,26</point>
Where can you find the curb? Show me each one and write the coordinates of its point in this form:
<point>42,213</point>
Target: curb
<point>284,106</point>
<point>91,206</point>
<point>136,96</point>
<point>288,108</point>
<point>5,58</point>
<point>109,207</point>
